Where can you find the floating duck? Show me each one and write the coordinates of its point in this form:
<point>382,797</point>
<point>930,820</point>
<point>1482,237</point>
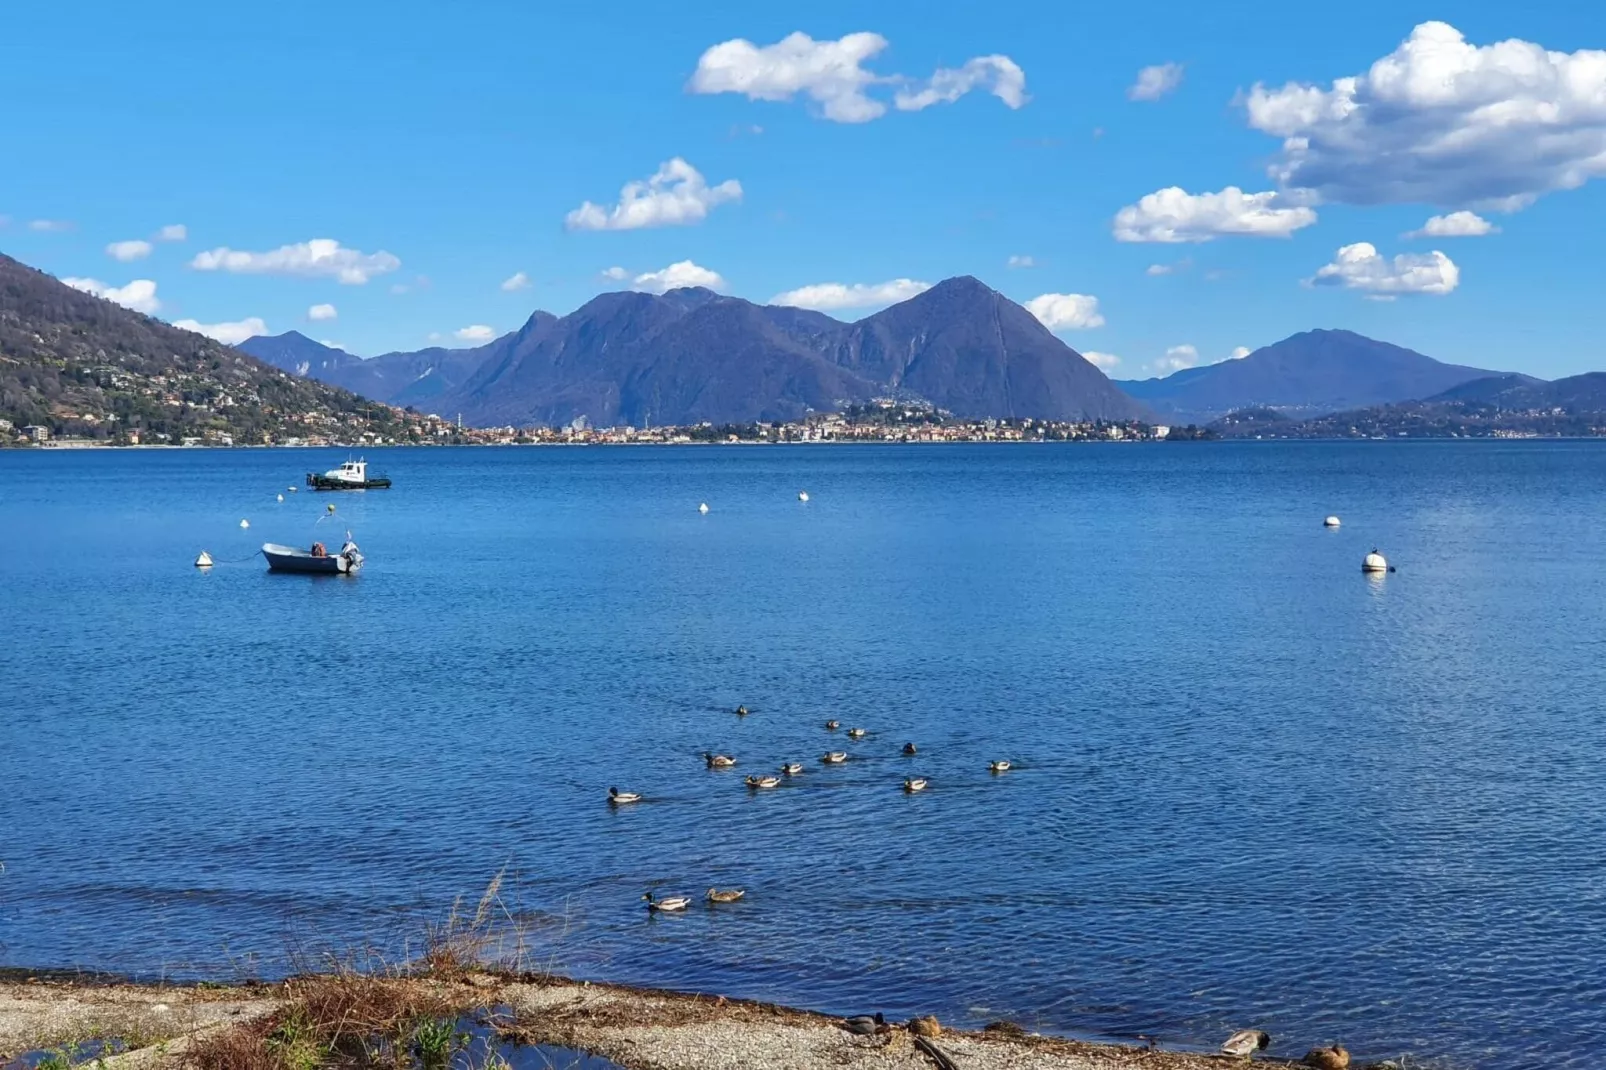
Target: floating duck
<point>865,1025</point>
<point>1330,522</point>
<point>835,757</point>
<point>1376,562</point>
<point>204,561</point>
<point>619,798</point>
<point>832,726</point>
<point>728,895</point>
<point>792,769</point>
<point>758,782</point>
<point>924,1027</point>
<point>742,711</point>
<point>1246,1042</point>
<point>914,784</point>
<point>718,761</point>
<point>998,767</point>
<point>1333,1058</point>
<point>802,495</point>
<point>703,508</point>
<point>856,733</point>
<point>674,902</point>
<point>910,750</point>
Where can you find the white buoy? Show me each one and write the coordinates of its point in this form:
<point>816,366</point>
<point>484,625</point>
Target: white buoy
<point>1375,562</point>
<point>1331,522</point>
<point>204,561</point>
<point>281,497</point>
<point>703,508</point>
<point>802,495</point>
<point>292,490</point>
<point>245,523</point>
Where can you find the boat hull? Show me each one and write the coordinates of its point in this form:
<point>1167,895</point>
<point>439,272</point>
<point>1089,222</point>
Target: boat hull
<point>317,482</point>
<point>289,559</point>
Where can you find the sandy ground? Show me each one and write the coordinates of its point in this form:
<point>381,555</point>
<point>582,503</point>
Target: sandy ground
<point>637,1029</point>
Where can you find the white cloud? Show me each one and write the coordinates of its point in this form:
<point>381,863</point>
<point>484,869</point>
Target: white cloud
<point>1155,82</point>
<point>1175,215</point>
<point>1240,353</point>
<point>676,195</point>
<point>475,333</point>
<point>1455,225</point>
<point>139,295</point>
<point>229,334</point>
<point>318,258</point>
<point>49,226</point>
<point>1106,361</point>
<point>1066,312</point>
<point>832,74</point>
<point>332,345</point>
<point>1361,267</point>
<point>1155,270</point>
<point>680,274</point>
<point>1176,358</point>
<point>1441,121</point>
<point>998,75</point>
<point>318,313</point>
<point>823,296</point>
<point>516,281</point>
<point>1022,262</point>
<point>173,232</point>
<point>615,273</point>
<point>129,250</point>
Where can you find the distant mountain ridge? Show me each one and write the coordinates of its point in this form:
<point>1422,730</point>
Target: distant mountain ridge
<point>1307,374</point>
<point>692,355</point>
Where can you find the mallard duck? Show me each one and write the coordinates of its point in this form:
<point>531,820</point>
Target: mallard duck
<point>674,902</point>
<point>836,757</point>
<point>832,726</point>
<point>856,733</point>
<point>925,1027</point>
<point>756,782</point>
<point>998,767</point>
<point>619,798</point>
<point>741,711</point>
<point>914,784</point>
<point>865,1025</point>
<point>910,750</point>
<point>1333,1058</point>
<point>1246,1042</point>
<point>718,761</point>
<point>792,768</point>
<point>727,895</point>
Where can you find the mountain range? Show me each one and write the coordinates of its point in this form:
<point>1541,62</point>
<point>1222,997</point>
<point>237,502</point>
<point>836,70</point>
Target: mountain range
<point>691,355</point>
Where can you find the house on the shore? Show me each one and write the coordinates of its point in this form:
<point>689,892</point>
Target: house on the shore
<point>37,433</point>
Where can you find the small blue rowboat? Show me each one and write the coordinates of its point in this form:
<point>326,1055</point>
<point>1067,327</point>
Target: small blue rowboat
<point>290,559</point>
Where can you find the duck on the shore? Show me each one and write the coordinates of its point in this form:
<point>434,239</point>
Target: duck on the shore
<point>865,1025</point>
<point>832,726</point>
<point>1246,1042</point>
<point>673,903</point>
<point>914,784</point>
<point>924,1027</point>
<point>998,767</point>
<point>1333,1058</point>
<point>792,769</point>
<point>836,757</point>
<point>619,798</point>
<point>910,750</point>
<point>718,761</point>
<point>856,733</point>
<point>727,895</point>
<point>756,782</point>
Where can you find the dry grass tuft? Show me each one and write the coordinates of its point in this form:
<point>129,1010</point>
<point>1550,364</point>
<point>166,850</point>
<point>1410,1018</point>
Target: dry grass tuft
<point>240,1047</point>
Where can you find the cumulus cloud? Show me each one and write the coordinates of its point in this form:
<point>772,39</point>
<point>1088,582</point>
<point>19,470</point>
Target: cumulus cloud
<point>680,274</point>
<point>1176,358</point>
<point>1105,361</point>
<point>139,295</point>
<point>832,74</point>
<point>516,281</point>
<point>824,296</point>
<point>173,232</point>
<point>1175,215</point>
<point>615,273</point>
<point>1240,353</point>
<point>1022,262</point>
<point>1442,121</point>
<point>1155,82</point>
<point>476,333</point>
<point>1361,267</point>
<point>318,313</point>
<point>318,258</point>
<point>1455,225</point>
<point>230,334</point>
<point>1066,312</point>
<point>49,226</point>
<point>129,250</point>
<point>998,75</point>
<point>676,195</point>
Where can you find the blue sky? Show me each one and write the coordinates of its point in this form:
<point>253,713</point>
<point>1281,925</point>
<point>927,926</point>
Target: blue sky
<point>462,142</point>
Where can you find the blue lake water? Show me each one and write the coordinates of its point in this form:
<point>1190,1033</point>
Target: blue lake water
<point>1254,787</point>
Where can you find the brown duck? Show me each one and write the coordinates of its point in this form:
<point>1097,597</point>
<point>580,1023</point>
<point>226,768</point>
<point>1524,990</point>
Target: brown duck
<point>1334,1058</point>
